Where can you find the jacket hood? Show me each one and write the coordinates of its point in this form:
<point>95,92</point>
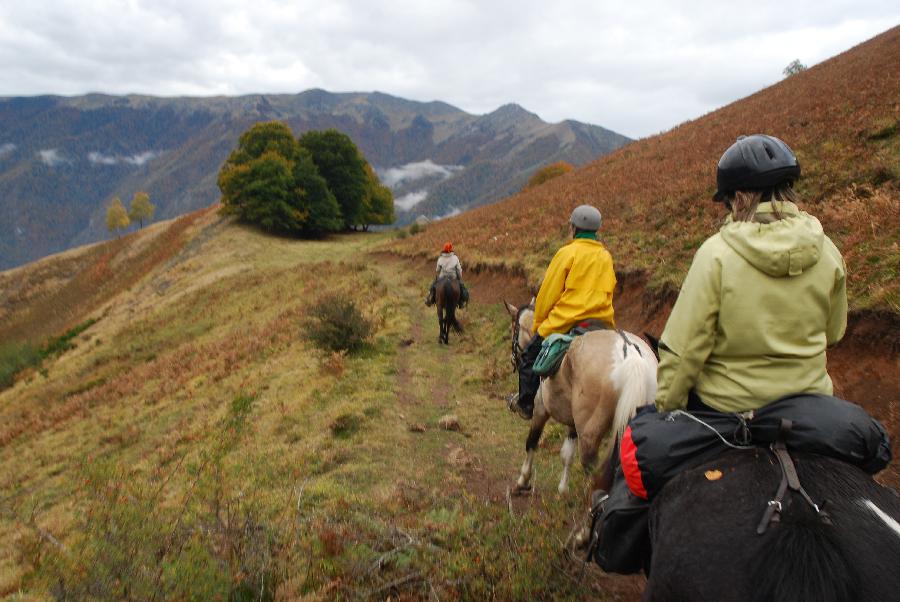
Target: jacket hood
<point>783,247</point>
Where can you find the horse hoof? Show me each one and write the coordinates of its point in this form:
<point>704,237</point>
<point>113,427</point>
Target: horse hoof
<point>523,489</point>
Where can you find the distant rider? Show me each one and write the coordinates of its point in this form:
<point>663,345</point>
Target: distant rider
<point>578,286</point>
<point>763,297</point>
<point>448,266</point>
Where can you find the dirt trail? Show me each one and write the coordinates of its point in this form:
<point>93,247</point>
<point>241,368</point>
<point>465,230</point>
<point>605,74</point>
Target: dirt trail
<point>485,455</point>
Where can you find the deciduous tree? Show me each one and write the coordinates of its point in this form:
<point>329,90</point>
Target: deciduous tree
<point>271,181</point>
<point>793,68</point>
<point>548,172</point>
<point>116,216</point>
<point>141,208</point>
<point>378,205</point>
<point>343,167</point>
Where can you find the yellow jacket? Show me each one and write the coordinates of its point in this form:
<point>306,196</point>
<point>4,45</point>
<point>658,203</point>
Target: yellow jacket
<point>578,285</point>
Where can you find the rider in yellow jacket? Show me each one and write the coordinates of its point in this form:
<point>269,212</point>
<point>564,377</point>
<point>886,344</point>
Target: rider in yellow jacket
<point>578,286</point>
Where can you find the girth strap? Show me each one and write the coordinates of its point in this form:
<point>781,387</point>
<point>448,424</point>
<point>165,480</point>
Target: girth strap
<point>789,480</point>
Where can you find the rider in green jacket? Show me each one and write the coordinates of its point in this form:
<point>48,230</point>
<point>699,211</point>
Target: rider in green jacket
<point>763,298</point>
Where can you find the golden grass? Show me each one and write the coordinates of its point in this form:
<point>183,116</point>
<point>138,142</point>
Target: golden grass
<point>126,428</point>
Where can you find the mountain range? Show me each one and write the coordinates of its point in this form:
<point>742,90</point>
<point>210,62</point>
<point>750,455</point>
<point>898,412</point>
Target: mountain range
<point>62,159</point>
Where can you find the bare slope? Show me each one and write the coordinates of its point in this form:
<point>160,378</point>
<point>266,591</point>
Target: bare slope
<point>842,117</point>
<point>193,445</point>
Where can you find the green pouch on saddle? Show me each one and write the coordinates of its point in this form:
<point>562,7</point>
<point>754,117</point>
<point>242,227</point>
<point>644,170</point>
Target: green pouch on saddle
<point>553,350</point>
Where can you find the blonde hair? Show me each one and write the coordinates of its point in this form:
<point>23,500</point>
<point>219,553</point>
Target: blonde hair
<point>744,203</point>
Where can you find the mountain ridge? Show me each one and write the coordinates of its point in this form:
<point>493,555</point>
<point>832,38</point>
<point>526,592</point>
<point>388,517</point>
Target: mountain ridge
<point>62,158</point>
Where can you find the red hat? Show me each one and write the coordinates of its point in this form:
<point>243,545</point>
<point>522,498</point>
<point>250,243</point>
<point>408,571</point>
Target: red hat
<point>448,247</point>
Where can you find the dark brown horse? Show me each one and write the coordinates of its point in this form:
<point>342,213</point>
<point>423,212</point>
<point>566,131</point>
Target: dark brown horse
<point>446,295</point>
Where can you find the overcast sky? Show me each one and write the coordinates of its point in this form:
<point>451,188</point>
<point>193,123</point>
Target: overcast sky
<point>637,67</point>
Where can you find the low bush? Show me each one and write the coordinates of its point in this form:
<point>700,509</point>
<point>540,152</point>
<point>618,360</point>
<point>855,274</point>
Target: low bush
<point>415,228</point>
<point>14,357</point>
<point>336,324</point>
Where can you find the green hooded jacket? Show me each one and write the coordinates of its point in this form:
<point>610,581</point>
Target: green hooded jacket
<point>758,307</point>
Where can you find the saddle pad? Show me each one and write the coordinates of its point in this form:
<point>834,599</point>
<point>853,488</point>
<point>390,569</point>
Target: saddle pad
<point>553,350</point>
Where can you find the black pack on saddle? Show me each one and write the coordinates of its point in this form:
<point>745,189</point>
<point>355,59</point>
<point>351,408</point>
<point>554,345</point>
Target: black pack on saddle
<point>658,446</point>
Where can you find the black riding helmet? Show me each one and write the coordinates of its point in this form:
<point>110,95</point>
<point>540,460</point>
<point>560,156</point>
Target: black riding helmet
<point>755,162</point>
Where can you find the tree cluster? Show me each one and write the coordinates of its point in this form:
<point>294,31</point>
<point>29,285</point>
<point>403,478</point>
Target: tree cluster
<point>117,218</point>
<point>311,186</point>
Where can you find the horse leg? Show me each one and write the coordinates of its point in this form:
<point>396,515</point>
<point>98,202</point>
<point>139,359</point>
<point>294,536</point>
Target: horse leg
<point>567,453</point>
<point>440,316</point>
<point>538,421</point>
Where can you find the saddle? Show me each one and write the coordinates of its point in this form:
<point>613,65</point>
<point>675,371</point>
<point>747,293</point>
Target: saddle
<point>555,346</point>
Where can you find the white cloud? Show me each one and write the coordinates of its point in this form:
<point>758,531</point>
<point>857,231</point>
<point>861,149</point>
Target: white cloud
<point>636,67</point>
<point>408,201</point>
<point>6,149</point>
<point>101,159</point>
<point>141,158</point>
<point>52,157</point>
<point>416,171</point>
<point>137,159</point>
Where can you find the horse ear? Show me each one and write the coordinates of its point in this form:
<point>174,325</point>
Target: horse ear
<point>511,309</point>
<point>531,303</point>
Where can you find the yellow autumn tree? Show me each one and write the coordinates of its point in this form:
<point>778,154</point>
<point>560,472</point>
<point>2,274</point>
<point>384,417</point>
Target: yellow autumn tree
<point>548,172</point>
<point>116,216</point>
<point>141,208</point>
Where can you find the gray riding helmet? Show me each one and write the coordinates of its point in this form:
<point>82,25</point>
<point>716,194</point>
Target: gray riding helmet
<point>586,217</point>
<point>753,163</point>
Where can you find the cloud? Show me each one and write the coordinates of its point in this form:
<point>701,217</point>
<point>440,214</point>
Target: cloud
<point>408,201</point>
<point>52,157</point>
<point>416,171</point>
<point>141,158</point>
<point>6,149</point>
<point>101,159</point>
<point>137,159</point>
<point>635,67</point>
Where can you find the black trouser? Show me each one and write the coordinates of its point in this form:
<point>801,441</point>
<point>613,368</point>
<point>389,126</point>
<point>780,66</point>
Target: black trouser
<point>528,380</point>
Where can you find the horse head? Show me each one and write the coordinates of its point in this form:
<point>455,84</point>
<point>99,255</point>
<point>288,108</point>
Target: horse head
<point>521,329</point>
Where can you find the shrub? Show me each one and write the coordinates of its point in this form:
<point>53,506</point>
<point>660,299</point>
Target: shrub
<point>415,228</point>
<point>13,358</point>
<point>338,325</point>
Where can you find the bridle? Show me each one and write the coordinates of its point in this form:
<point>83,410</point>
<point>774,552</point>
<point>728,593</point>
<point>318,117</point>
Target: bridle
<point>516,352</point>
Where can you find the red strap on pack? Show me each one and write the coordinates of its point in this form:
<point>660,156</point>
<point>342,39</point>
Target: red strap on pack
<point>628,457</point>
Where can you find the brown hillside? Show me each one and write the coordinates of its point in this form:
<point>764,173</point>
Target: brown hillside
<point>46,297</point>
<point>841,117</point>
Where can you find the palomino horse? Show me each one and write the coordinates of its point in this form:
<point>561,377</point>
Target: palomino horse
<point>605,376</point>
<point>446,296</point>
<point>705,544</point>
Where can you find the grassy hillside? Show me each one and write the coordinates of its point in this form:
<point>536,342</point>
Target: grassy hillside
<point>842,118</point>
<point>194,445</point>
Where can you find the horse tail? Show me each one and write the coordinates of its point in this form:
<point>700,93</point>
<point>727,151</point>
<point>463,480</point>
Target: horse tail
<point>453,291</point>
<point>804,561</point>
<point>634,376</point>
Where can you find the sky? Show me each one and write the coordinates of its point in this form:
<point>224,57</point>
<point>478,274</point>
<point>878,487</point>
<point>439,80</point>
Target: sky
<point>638,67</point>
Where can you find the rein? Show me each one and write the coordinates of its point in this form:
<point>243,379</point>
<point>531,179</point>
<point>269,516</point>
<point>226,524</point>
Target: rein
<point>516,355</point>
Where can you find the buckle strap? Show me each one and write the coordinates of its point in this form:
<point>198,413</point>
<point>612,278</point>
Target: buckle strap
<point>789,480</point>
